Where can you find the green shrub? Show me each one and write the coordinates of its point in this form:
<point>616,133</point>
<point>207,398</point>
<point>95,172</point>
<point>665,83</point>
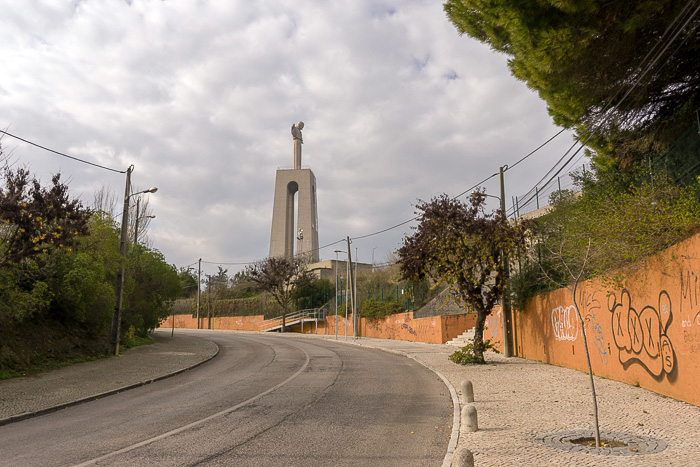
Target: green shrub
<point>466,356</point>
<point>376,309</point>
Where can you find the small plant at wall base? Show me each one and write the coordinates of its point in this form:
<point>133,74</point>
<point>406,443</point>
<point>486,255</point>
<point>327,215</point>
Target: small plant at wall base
<point>467,355</point>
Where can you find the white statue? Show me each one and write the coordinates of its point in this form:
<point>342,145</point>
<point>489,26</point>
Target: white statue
<point>298,141</point>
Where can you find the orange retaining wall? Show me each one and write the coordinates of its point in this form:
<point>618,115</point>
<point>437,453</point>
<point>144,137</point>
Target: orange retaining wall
<point>403,326</point>
<point>238,323</point>
<point>645,332</point>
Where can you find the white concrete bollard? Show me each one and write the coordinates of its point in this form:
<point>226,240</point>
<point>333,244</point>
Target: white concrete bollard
<point>467,391</point>
<point>463,458</point>
<point>469,418</point>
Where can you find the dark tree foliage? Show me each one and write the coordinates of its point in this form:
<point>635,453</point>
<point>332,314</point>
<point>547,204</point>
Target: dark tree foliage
<point>188,282</point>
<point>152,286</point>
<point>584,56</point>
<point>242,286</point>
<point>313,294</point>
<point>37,219</point>
<point>280,276</point>
<point>458,244</point>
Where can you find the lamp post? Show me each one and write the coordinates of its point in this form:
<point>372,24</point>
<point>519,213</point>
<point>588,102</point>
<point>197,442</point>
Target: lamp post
<point>336,293</point>
<point>119,289</point>
<point>507,315</point>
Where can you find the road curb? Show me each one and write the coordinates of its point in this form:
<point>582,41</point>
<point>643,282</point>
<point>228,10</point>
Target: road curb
<point>56,408</point>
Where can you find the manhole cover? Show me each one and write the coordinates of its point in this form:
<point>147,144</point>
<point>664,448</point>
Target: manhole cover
<point>617,444</point>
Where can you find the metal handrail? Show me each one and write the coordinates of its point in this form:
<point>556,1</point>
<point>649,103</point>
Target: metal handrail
<point>311,313</point>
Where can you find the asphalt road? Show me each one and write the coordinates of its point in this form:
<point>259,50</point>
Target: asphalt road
<point>265,400</point>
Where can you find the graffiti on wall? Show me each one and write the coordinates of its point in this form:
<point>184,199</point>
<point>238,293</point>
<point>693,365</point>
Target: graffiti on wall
<point>690,298</point>
<point>493,324</point>
<point>565,323</point>
<point>641,336</point>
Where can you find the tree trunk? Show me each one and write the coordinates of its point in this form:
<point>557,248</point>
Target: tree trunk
<point>479,335</point>
<point>284,318</point>
<point>590,369</point>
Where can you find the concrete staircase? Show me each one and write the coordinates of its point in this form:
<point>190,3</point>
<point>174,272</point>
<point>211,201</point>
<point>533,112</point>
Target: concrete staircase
<point>463,339</point>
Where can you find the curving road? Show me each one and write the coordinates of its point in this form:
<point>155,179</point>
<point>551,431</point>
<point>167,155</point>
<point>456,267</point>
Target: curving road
<point>265,400</point>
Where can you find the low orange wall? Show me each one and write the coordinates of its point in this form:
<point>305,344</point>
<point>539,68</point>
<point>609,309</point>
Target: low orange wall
<point>330,325</point>
<point>403,326</point>
<point>238,323</point>
<point>645,332</point>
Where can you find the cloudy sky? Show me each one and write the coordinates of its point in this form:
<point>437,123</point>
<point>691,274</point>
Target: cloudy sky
<point>200,95</point>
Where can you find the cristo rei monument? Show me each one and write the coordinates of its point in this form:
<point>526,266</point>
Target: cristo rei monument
<point>300,183</point>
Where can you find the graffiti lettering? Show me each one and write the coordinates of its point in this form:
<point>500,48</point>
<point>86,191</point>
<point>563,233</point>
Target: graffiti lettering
<point>565,323</point>
<point>493,324</point>
<point>600,343</point>
<point>690,295</point>
<point>641,336</point>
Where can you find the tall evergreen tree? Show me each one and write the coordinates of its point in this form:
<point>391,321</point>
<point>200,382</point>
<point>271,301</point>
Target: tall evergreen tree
<point>626,73</point>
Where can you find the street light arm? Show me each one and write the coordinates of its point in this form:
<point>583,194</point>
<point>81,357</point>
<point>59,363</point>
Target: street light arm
<point>474,193</point>
<point>153,189</point>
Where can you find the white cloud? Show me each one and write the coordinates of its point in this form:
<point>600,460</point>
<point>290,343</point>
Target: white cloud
<point>200,96</point>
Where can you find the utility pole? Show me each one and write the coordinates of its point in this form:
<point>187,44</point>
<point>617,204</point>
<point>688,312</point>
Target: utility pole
<point>136,221</point>
<point>348,310</point>
<point>199,285</point>
<point>354,295</point>
<point>119,288</point>
<point>352,307</point>
<point>209,304</point>
<point>507,319</point>
<point>336,293</point>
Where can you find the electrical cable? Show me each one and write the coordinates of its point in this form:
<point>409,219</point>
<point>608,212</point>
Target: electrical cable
<point>604,111</point>
<point>62,154</point>
<point>537,149</point>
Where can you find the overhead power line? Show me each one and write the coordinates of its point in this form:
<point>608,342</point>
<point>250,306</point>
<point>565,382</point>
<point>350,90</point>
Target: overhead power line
<point>62,154</point>
<point>645,67</point>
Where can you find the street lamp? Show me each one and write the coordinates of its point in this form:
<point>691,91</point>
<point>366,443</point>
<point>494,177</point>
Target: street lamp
<point>119,289</point>
<point>336,293</point>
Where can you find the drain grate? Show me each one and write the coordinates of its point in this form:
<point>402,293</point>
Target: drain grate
<point>626,444</point>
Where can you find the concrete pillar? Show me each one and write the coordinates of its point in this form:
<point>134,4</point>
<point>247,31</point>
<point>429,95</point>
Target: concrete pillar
<point>463,458</point>
<point>467,391</point>
<point>469,419</point>
<point>289,183</point>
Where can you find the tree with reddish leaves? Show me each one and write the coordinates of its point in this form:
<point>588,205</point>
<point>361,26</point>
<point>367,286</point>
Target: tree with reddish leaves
<point>457,243</point>
<point>280,276</point>
<point>37,220</point>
